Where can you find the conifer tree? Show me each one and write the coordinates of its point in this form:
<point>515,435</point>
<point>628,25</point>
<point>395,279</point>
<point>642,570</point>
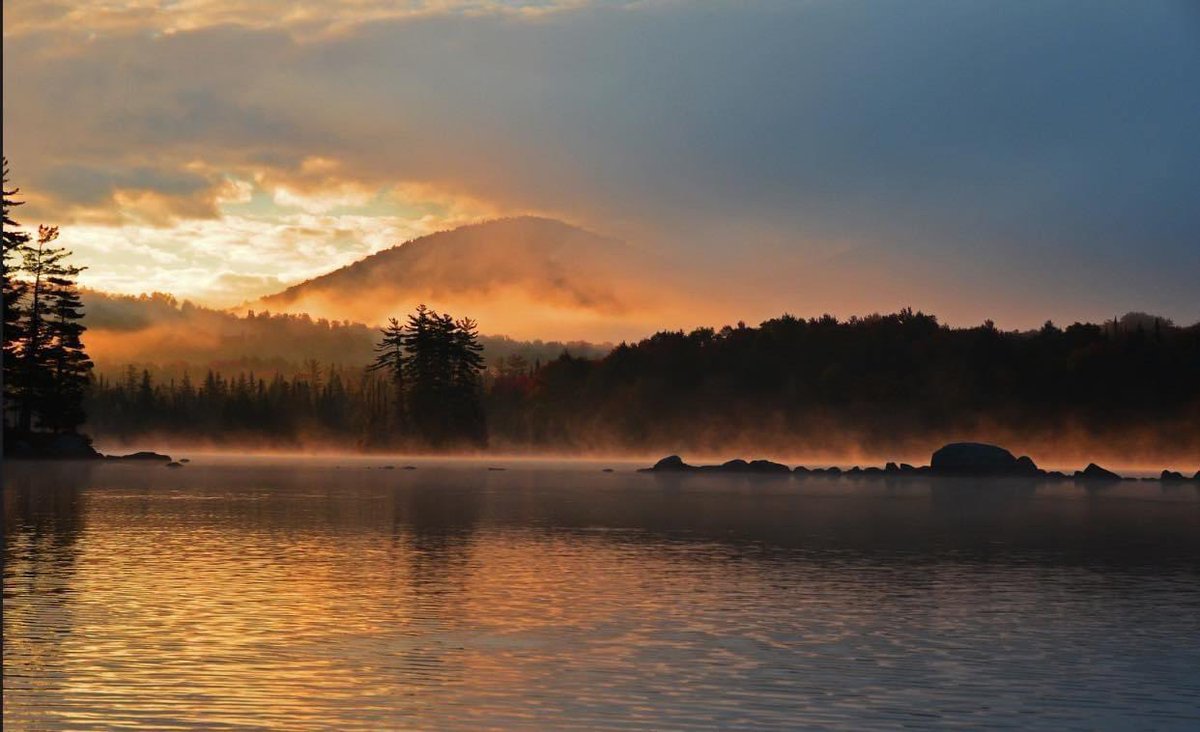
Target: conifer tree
<point>52,368</point>
<point>70,367</point>
<point>16,243</point>
<point>392,359</point>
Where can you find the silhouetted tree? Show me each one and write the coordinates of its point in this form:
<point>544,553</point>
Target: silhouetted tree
<point>391,358</point>
<point>16,244</point>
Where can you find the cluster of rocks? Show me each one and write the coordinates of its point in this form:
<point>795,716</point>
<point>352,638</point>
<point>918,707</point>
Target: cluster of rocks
<point>965,459</point>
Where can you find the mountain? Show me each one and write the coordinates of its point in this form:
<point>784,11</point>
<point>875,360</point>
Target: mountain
<point>524,276</point>
<point>159,333</point>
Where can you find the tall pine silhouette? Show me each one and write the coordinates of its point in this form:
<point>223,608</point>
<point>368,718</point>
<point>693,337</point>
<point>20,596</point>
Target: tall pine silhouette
<point>46,369</point>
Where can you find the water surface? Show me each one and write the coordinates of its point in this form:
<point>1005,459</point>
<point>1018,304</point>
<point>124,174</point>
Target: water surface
<point>303,595</point>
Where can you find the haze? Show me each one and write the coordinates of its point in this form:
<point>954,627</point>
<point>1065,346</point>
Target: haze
<point>978,160</point>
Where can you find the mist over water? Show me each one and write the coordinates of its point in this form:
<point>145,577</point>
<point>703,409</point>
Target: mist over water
<point>337,593</point>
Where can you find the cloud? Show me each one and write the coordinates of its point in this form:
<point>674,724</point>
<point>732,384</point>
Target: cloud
<point>982,160</point>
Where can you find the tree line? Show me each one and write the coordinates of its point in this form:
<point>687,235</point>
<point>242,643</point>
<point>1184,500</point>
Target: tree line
<point>46,369</point>
<point>423,390</point>
<point>790,383</point>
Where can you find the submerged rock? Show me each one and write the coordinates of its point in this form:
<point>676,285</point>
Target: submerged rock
<point>1095,472</point>
<point>174,464</point>
<point>142,456</point>
<point>675,464</point>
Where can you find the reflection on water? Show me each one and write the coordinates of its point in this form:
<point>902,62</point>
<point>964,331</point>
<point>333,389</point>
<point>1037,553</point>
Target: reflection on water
<point>221,597</point>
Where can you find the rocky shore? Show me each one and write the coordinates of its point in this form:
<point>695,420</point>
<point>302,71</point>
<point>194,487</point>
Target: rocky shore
<point>961,459</point>
<point>45,446</point>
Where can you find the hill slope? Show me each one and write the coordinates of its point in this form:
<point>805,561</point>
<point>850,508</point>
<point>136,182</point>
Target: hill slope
<point>524,276</point>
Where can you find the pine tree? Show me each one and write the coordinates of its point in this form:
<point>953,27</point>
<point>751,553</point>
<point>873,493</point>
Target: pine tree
<point>392,359</point>
<point>16,244</point>
<point>52,369</point>
<point>466,365</point>
<point>70,367</point>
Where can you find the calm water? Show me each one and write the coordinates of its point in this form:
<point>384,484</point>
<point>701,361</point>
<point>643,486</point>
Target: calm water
<point>310,596</point>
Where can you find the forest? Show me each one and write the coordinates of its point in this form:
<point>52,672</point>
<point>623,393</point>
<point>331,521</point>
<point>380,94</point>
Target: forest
<point>821,383</point>
<point>790,385</point>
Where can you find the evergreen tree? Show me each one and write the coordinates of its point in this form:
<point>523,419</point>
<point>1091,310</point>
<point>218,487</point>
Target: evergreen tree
<point>392,359</point>
<point>466,366</point>
<point>52,369</point>
<point>70,367</point>
<point>16,244</point>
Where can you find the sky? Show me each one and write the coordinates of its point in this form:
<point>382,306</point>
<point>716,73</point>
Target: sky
<point>1014,161</point>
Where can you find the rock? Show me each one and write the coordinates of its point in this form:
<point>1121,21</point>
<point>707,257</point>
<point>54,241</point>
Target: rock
<point>873,471</point>
<point>1196,476</point>
<point>854,470</point>
<point>606,470</point>
<point>1058,474</point>
<point>800,469</point>
<point>184,460</point>
<point>48,446</point>
<point>891,468</point>
<point>669,464</point>
<point>409,467</point>
<point>144,455</point>
<point>835,470</point>
<point>498,470</point>
<point>737,465</point>
<point>675,464</point>
<point>1026,466</point>
<point>766,466</point>
<point>974,458</point>
<point>1095,472</point>
<point>1170,476</point>
<point>174,464</point>
<point>906,468</point>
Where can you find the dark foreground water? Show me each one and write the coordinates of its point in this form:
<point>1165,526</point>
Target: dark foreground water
<point>548,597</point>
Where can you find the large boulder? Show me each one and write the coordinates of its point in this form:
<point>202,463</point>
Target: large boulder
<point>1096,473</point>
<point>766,466</point>
<point>669,464</point>
<point>977,458</point>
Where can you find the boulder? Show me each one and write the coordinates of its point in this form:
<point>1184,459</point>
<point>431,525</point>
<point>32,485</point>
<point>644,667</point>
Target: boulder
<point>1095,473</point>
<point>737,465</point>
<point>144,455</point>
<point>766,466</point>
<point>48,446</point>
<point>976,458</point>
<point>801,469</point>
<point>1170,476</point>
<point>1026,466</point>
<point>669,464</point>
<point>892,468</point>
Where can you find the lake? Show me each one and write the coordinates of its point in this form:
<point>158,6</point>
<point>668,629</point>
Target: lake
<point>321,593</point>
